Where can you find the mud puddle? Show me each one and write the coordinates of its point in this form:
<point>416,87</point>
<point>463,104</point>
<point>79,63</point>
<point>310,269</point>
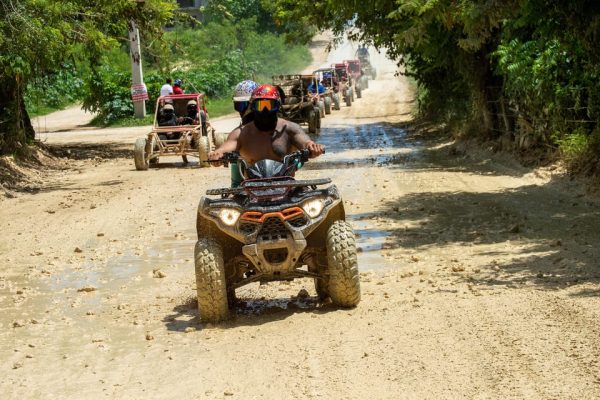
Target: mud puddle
<point>370,241</point>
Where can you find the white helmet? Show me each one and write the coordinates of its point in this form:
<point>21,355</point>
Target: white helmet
<point>243,90</point>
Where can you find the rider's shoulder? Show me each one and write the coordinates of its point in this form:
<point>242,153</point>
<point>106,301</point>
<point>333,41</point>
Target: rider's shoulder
<point>289,125</point>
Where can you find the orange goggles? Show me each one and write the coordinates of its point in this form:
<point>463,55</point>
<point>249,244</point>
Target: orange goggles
<point>269,105</point>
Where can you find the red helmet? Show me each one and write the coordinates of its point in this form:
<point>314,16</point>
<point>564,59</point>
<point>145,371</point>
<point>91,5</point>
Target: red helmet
<point>265,91</point>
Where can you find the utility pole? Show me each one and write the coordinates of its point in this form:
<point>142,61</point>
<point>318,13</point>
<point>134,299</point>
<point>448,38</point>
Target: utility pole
<point>139,93</point>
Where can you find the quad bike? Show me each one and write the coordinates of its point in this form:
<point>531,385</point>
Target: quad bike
<point>330,98</point>
<point>365,62</point>
<point>360,80</point>
<point>344,79</point>
<point>273,228</point>
<point>296,105</point>
<point>185,136</point>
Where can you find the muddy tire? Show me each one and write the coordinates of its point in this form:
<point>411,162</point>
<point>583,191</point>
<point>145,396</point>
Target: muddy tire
<point>358,92</point>
<point>211,286</point>
<point>154,147</point>
<point>365,81</point>
<point>318,120</point>
<point>220,138</point>
<point>139,155</point>
<point>336,102</point>
<point>321,105</point>
<point>348,98</point>
<point>203,150</point>
<point>312,121</point>
<point>327,102</point>
<point>343,285</point>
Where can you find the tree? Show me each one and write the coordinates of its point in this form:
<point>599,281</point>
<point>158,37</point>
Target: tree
<point>38,36</point>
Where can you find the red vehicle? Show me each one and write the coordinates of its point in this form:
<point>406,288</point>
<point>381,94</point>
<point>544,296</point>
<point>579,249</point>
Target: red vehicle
<point>345,82</point>
<point>357,75</point>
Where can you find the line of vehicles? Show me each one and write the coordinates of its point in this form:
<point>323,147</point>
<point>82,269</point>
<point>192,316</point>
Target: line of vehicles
<point>271,227</point>
<point>182,127</point>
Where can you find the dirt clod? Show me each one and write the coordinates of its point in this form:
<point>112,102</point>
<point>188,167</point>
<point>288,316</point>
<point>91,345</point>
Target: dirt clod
<point>157,273</point>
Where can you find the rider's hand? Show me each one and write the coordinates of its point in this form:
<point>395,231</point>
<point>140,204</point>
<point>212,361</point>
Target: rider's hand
<point>215,155</point>
<point>315,149</point>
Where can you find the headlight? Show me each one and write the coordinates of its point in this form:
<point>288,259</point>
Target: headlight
<point>313,208</point>
<point>229,216</point>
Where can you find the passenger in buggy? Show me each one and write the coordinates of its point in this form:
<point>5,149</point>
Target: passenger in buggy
<point>167,117</point>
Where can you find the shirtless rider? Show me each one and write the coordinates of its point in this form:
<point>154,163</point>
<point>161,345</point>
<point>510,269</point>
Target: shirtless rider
<point>267,137</point>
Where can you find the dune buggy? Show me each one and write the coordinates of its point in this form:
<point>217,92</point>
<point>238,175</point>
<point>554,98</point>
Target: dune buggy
<point>177,132</point>
<point>296,105</point>
<point>360,80</point>
<point>365,61</point>
<point>273,228</point>
<point>345,82</point>
<point>330,98</point>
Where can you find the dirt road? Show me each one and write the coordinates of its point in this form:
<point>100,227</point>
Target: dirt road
<point>480,278</point>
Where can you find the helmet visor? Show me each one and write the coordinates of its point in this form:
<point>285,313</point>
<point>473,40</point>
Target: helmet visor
<point>240,106</point>
<point>270,105</point>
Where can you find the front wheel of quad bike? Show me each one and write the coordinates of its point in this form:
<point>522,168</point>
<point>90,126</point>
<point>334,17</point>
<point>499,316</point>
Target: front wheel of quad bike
<point>348,98</point>
<point>312,121</point>
<point>336,101</point>
<point>343,284</point>
<point>203,150</point>
<point>327,102</point>
<point>322,108</point>
<point>211,286</point>
<point>139,155</point>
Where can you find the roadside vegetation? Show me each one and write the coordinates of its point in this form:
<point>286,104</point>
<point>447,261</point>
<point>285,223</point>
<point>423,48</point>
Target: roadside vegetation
<point>230,45</point>
<point>522,73</point>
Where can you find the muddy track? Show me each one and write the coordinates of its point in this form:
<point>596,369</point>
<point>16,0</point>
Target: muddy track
<point>479,277</point>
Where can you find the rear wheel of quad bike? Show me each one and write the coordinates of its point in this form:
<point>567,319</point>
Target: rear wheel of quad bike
<point>211,287</point>
<point>312,120</point>
<point>348,98</point>
<point>203,150</point>
<point>327,102</point>
<point>321,105</point>
<point>139,155</point>
<point>343,285</point>
<point>336,101</point>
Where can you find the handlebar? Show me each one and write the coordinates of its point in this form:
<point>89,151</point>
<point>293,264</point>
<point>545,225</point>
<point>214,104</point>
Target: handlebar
<point>234,156</point>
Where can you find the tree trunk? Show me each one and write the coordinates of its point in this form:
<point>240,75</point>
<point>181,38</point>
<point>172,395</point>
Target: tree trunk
<point>16,130</point>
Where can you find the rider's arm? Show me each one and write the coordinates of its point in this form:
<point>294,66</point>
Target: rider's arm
<point>302,141</point>
<point>231,144</point>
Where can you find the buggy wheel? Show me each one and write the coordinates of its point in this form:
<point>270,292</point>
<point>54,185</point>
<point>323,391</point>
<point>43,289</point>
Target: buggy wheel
<point>184,158</point>
<point>327,102</point>
<point>348,98</point>
<point>203,150</point>
<point>318,116</point>
<point>211,287</point>
<point>364,82</point>
<point>312,120</point>
<point>352,94</point>
<point>342,266</point>
<point>153,147</point>
<point>220,138</point>
<point>336,101</point>
<point>358,92</point>
<point>321,108</point>
<point>139,155</point>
